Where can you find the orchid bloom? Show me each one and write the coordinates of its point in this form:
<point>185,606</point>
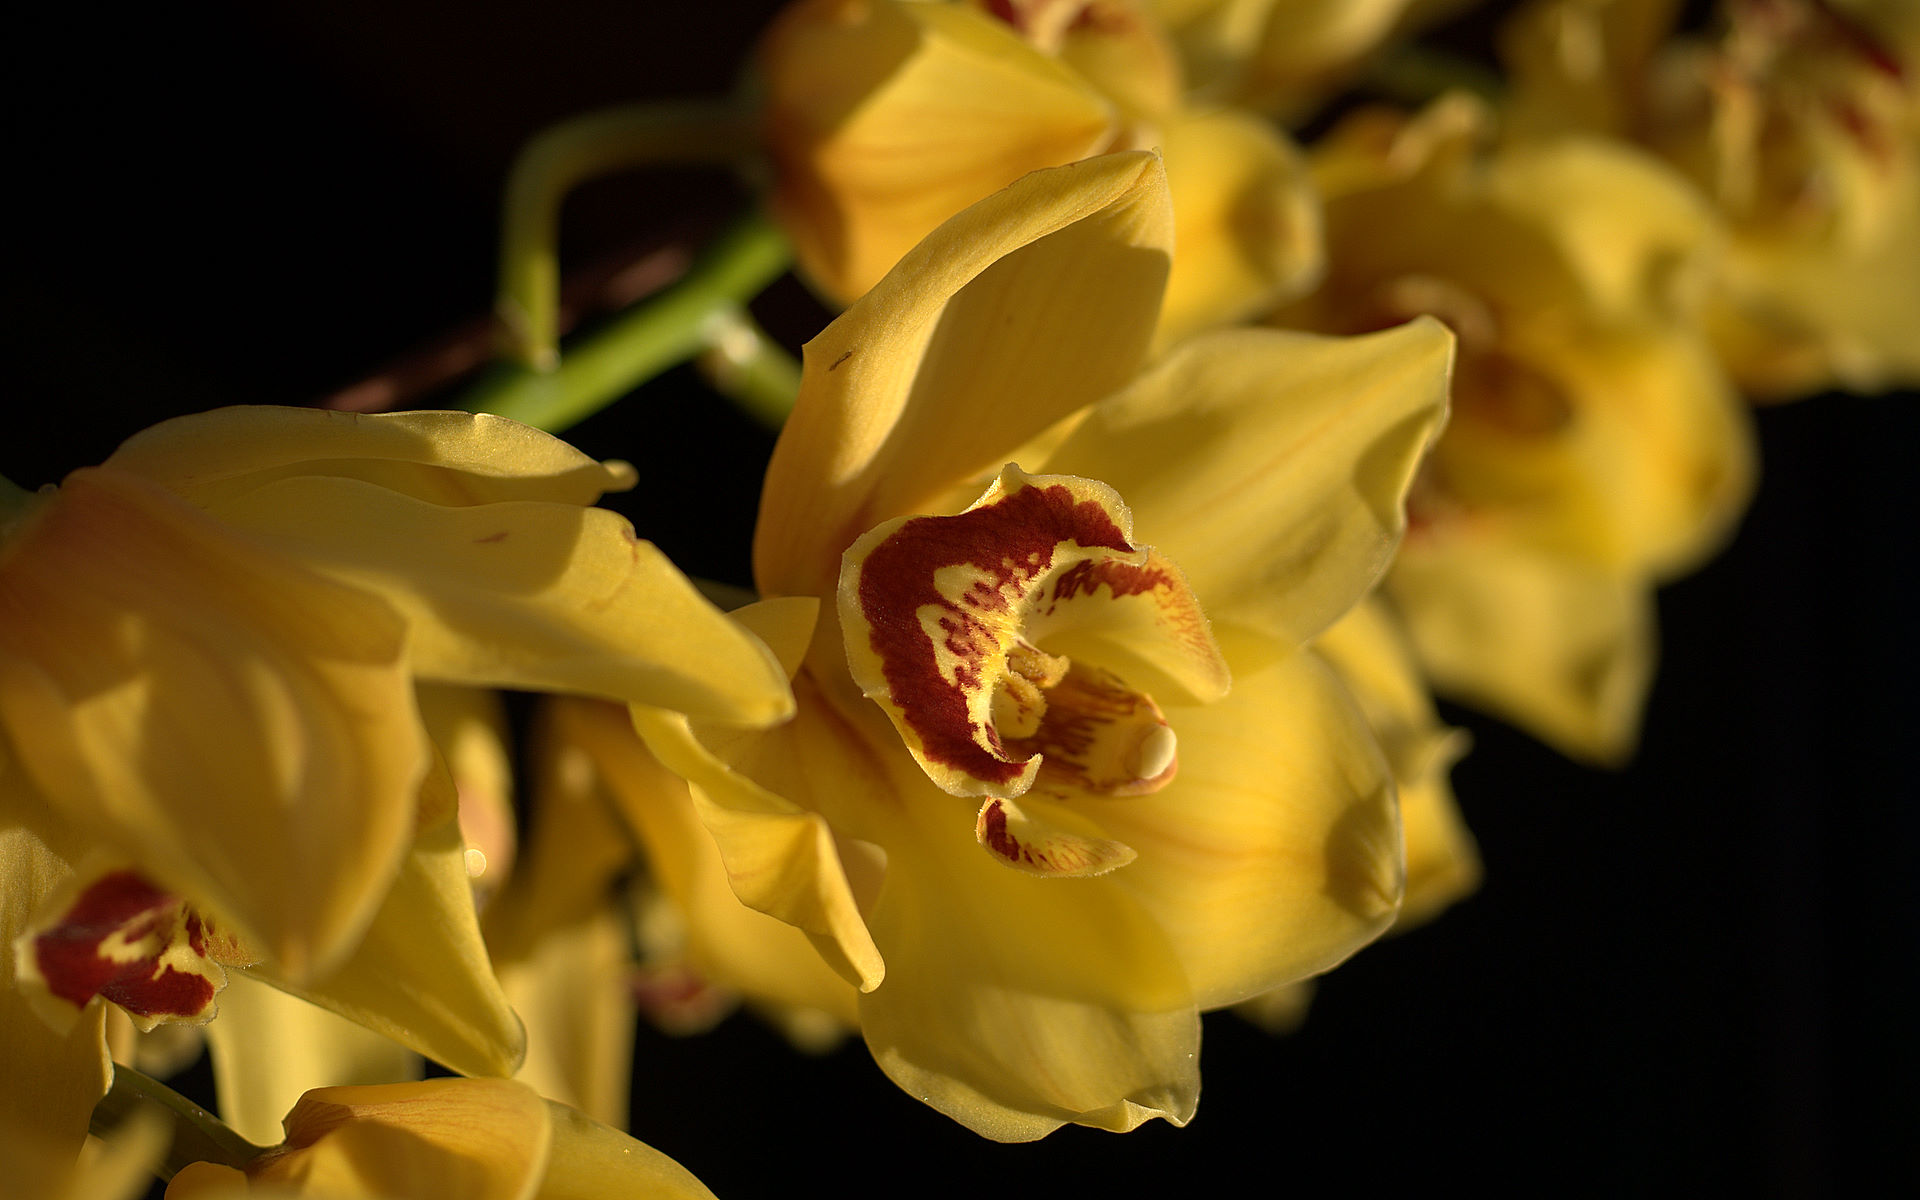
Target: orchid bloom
<point>1596,449</point>
<point>1063,773</point>
<point>1278,55</point>
<point>885,117</point>
<point>211,754</point>
<point>483,1139</point>
<point>1799,121</point>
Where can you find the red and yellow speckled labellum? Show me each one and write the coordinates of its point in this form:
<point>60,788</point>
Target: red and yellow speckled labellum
<point>113,934</point>
<point>947,620</point>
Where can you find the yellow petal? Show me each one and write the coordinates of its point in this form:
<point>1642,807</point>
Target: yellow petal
<point>452,458</point>
<point>269,1047</point>
<point>780,858</point>
<point>593,1162</point>
<point>884,119</point>
<point>1018,312</point>
<point>421,975</point>
<point>1637,238</point>
<point>1039,847</point>
<point>1275,853</point>
<point>488,1139</point>
<point>49,1082</point>
<point>766,960</point>
<point>1246,221</point>
<point>1369,652</point>
<point>558,941</point>
<point>1273,467</point>
<point>1017,1004</point>
<point>237,724</point>
<point>942,617</point>
<point>574,991</point>
<point>529,595</point>
<point>1560,648</point>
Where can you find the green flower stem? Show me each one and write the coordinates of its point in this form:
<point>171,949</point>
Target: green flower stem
<point>566,155</point>
<point>198,1135</point>
<point>667,329</point>
<point>742,362</point>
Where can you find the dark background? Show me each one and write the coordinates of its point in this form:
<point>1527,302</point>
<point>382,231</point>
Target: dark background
<point>1698,971</point>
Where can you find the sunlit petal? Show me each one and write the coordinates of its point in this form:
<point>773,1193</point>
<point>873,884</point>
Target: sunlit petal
<point>1024,308</point>
<point>530,595</point>
<point>1309,446</point>
<point>452,458</point>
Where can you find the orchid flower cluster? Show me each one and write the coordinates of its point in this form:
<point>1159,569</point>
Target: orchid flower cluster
<point>1159,465</point>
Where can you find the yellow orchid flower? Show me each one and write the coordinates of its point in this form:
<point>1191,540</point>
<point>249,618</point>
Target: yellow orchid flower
<point>1800,122</point>
<point>488,1139</point>
<point>208,648</point>
<point>1595,448</point>
<point>1019,808</point>
<point>1278,55</point>
<point>885,117</point>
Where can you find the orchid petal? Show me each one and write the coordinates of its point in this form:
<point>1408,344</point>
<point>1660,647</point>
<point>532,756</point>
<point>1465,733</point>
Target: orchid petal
<point>1246,221</point>
<point>488,1139</point>
<point>1369,652</point>
<point>269,1047</point>
<point>1275,853</point>
<point>242,725</point>
<point>530,595</point>
<point>780,858</point>
<point>762,957</point>
<point>884,119</point>
<point>1310,445</point>
<point>421,975</point>
<point>450,458</point>
<point>1011,316</point>
<point>559,943</point>
<point>49,1081</point>
<point>1558,646</point>
<point>1017,1004</point>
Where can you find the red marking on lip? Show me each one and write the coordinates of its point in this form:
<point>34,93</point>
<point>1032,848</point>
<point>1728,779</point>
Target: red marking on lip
<point>70,960</point>
<point>994,835</point>
<point>1012,540</point>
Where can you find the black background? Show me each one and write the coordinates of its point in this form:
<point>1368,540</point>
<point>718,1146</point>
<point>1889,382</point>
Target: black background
<point>1697,971</point>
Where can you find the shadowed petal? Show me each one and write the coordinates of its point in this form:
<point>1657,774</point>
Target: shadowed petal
<point>884,119</point>
<point>421,975</point>
<point>49,1082</point>
<point>1555,645</point>
<point>269,1047</point>
<point>242,725</point>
